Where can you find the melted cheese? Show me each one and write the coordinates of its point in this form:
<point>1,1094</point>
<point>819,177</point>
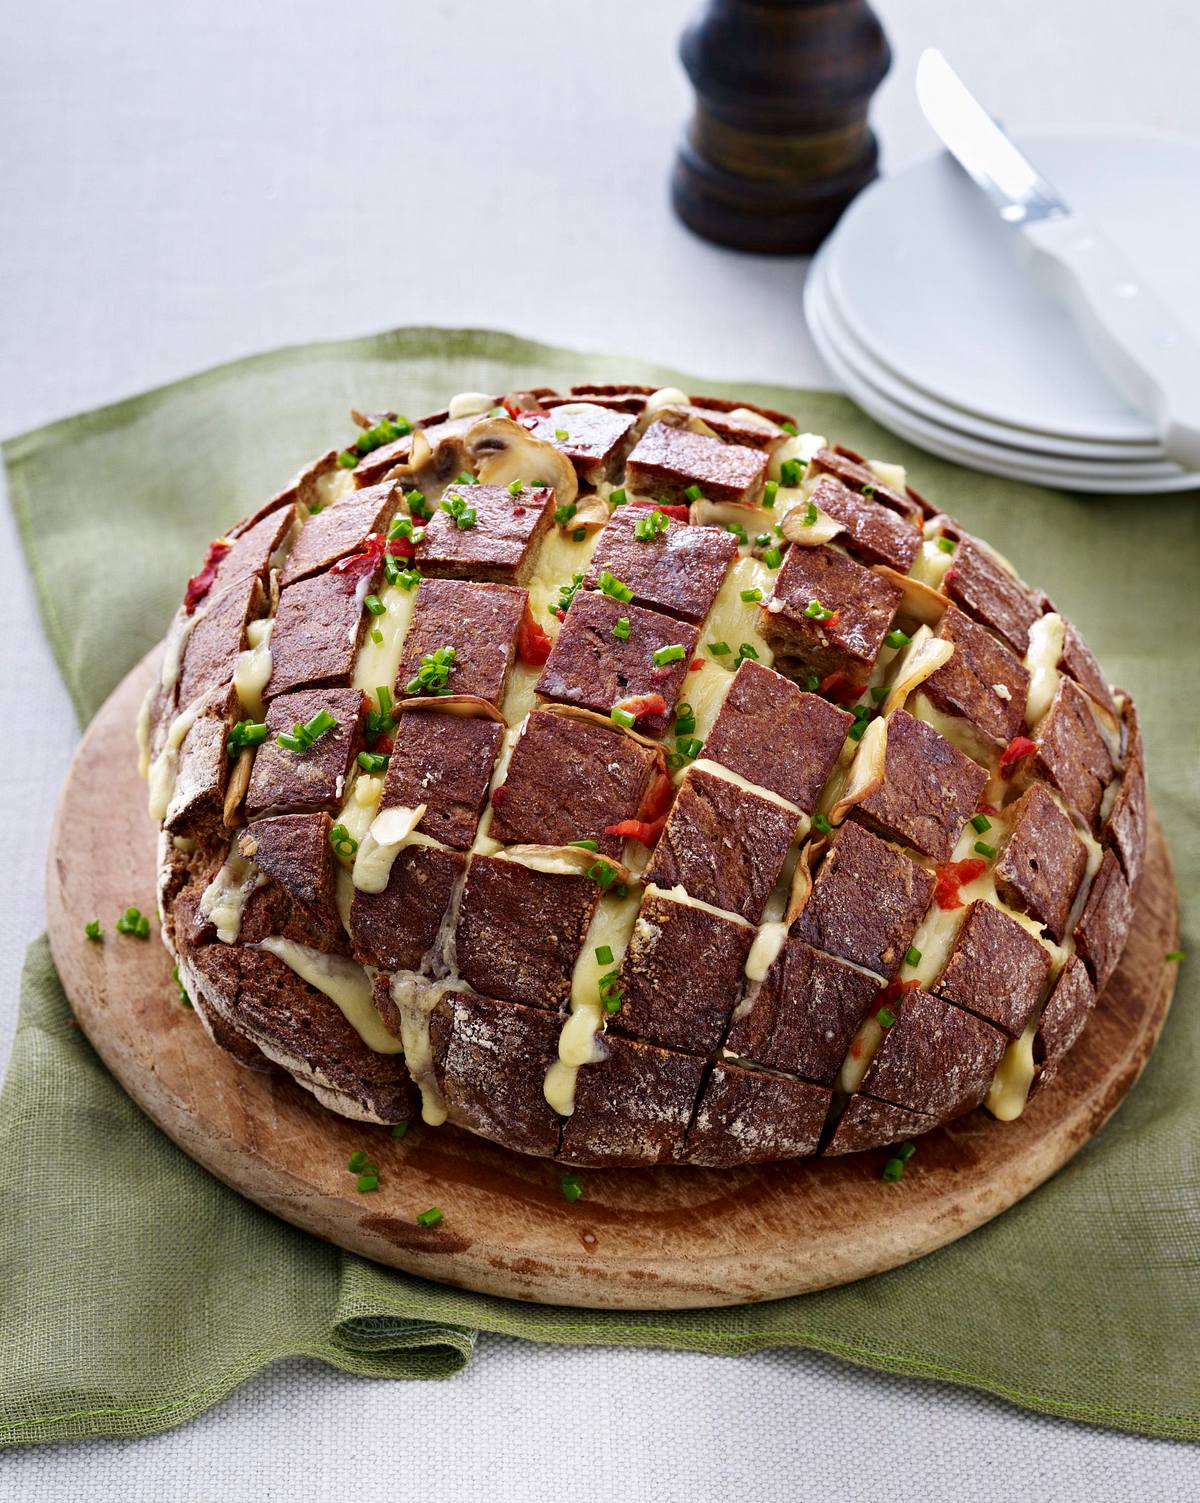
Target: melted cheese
<point>415,1000</point>
<point>764,952</point>
<point>922,658</point>
<point>224,899</point>
<point>931,564</point>
<point>253,669</point>
<point>894,476</point>
<point>389,834</point>
<point>1009,1091</point>
<point>802,447</point>
<point>343,981</point>
<point>143,732</point>
<point>173,651</point>
<point>957,730</point>
<point>378,663</point>
<point>612,925</point>
<point>1046,637</point>
<point>863,1049</point>
<point>165,768</point>
<point>333,485</point>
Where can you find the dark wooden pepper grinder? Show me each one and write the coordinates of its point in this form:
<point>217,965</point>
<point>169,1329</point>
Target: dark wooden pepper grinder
<point>779,143</point>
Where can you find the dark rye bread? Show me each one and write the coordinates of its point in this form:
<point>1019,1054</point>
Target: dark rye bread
<point>733,897</point>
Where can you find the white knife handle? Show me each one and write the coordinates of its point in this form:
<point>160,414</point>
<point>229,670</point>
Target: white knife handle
<point>1133,337</point>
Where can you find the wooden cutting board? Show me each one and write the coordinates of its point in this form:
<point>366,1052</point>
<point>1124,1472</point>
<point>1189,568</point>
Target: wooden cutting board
<point>638,1239</point>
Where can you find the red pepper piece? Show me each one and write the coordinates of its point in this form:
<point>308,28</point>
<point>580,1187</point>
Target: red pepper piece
<point>1016,751</point>
<point>841,688</point>
<point>645,830</point>
<point>641,705</point>
<point>676,512</point>
<point>533,644</point>
<point>986,809</point>
<point>953,875</point>
<point>200,584</point>
<point>697,664</point>
<point>657,798</point>
<point>833,620</point>
<point>895,991</point>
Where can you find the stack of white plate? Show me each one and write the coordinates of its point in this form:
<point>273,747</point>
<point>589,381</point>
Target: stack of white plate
<point>923,309</point>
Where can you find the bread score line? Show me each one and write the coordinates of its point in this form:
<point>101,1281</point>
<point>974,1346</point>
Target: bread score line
<point>631,778</point>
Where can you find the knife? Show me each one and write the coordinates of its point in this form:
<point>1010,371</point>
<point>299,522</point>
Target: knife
<point>1134,337</point>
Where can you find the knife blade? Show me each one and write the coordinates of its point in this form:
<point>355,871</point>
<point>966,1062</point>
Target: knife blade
<point>1134,337</point>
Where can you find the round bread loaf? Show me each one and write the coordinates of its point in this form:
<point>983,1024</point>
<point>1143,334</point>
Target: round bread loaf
<point>631,778</point>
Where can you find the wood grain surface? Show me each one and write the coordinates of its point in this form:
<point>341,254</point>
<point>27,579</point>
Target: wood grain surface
<point>638,1239</point>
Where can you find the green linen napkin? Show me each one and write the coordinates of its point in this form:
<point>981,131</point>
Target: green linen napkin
<point>135,1290</point>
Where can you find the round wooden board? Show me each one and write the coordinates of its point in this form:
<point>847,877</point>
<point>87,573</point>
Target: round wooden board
<point>639,1239</point>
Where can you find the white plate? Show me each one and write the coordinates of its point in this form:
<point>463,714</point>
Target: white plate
<point>920,404</point>
<point>927,276</point>
<point>1093,462</point>
<point>1013,464</point>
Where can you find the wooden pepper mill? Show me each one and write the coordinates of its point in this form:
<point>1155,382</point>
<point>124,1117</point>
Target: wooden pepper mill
<point>779,143</point>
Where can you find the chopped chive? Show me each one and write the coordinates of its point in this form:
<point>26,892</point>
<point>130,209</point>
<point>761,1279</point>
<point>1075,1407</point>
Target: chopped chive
<point>380,720</point>
<point>617,497</point>
<point>571,1189</point>
<point>821,825</point>
<point>357,1162</point>
<point>418,505</point>
<point>773,557</point>
<point>399,1129</point>
<point>737,529</point>
<point>770,491</point>
<point>694,493</point>
<point>343,843</point>
<point>893,1170</point>
<point>365,1183</point>
<point>689,747</point>
<point>868,490</point>
<point>178,980</point>
<point>652,525</point>
<point>245,733</point>
<point>912,956</point>
<point>515,487</point>
<point>376,635</point>
<point>810,514</point>
<point>566,594</point>
<point>579,534</point>
<point>885,1017</point>
<point>561,434</point>
<point>613,587</point>
<point>134,923</point>
<point>604,954</point>
<point>746,650</point>
<point>623,717</point>
<point>857,730</point>
<point>621,628</point>
<point>815,611</point>
<point>750,595</point>
<point>402,527</point>
<point>791,471</point>
<point>93,930</point>
<point>669,654</point>
<point>433,676</point>
<point>373,761</point>
<point>879,693</point>
<point>718,649</point>
<point>946,544</point>
<point>564,513</point>
<point>431,1217</point>
<point>897,638</point>
<point>981,822</point>
<point>790,429</point>
<point>983,849</point>
<point>463,516</point>
<point>905,1152</point>
<point>585,845</point>
<point>464,477</point>
<point>1175,954</point>
<point>685,719</point>
<point>347,459</point>
<point>762,539</point>
<point>602,874</point>
<point>375,605</point>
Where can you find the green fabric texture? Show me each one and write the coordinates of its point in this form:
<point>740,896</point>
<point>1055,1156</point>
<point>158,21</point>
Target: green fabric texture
<point>135,1290</point>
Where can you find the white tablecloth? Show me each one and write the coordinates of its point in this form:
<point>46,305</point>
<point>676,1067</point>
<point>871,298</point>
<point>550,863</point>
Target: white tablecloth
<point>183,185</point>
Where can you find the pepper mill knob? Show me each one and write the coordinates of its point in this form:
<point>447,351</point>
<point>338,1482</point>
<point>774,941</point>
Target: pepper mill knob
<point>779,143</point>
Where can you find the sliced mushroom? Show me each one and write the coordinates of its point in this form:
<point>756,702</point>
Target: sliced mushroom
<point>467,706</point>
<point>796,527</point>
<point>577,712</point>
<point>564,861</point>
<point>501,451</point>
<point>923,657</point>
<point>430,468</point>
<point>866,771</point>
<point>920,603</point>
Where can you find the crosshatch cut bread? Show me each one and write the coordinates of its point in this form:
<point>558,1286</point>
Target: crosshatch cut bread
<point>631,778</point>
